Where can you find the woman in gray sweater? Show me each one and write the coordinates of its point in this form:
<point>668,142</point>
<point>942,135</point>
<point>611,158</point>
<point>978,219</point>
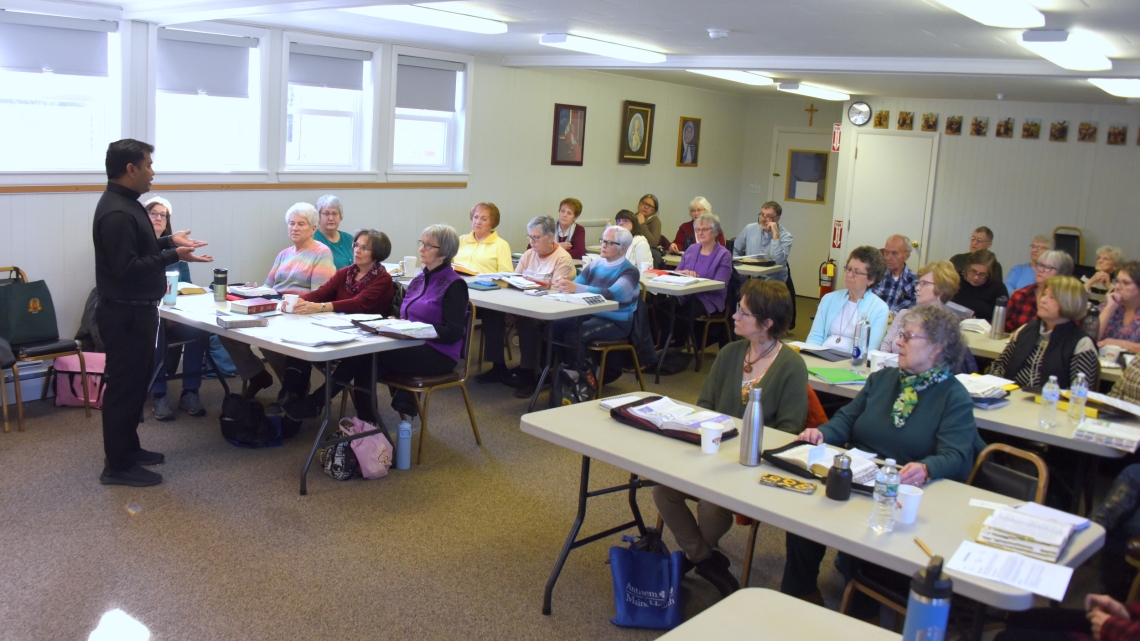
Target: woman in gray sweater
<point>758,361</point>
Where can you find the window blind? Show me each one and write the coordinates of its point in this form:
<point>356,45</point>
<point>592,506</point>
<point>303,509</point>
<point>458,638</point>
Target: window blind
<point>71,46</point>
<point>425,83</point>
<point>318,66</point>
<point>193,63</point>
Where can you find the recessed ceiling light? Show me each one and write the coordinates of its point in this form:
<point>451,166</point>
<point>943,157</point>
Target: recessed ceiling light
<point>812,90</point>
<point>1080,50</point>
<point>1012,14</point>
<point>745,77</point>
<point>432,18</point>
<point>600,48</point>
<point>1122,87</point>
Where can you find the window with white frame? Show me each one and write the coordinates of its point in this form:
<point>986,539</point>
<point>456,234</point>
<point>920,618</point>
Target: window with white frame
<point>427,132</point>
<point>60,92</point>
<point>208,103</point>
<point>328,113</point>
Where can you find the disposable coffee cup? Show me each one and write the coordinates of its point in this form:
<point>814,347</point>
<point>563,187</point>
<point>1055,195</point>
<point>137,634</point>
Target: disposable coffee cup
<point>878,360</point>
<point>586,258</point>
<point>171,296</point>
<point>909,497</point>
<point>290,302</point>
<point>410,265</point>
<point>710,437</point>
<point>646,266</point>
<point>1111,352</point>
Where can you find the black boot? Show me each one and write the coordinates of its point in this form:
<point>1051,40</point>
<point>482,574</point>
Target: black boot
<point>713,571</point>
<point>1120,502</point>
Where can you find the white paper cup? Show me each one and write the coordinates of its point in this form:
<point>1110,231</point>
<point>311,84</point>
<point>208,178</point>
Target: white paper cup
<point>586,258</point>
<point>646,266</point>
<point>1111,352</point>
<point>877,360</point>
<point>710,437</point>
<point>909,498</point>
<point>409,264</point>
<point>290,302</point>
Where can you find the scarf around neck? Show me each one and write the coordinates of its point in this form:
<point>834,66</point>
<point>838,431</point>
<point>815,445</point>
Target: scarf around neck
<point>912,384</point>
<point>354,286</point>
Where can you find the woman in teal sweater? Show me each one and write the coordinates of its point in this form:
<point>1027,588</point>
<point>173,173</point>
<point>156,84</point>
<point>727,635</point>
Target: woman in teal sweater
<point>758,361</point>
<point>918,414</point>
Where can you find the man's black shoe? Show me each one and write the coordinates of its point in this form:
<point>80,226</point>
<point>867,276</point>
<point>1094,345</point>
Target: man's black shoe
<point>133,476</point>
<point>302,409</point>
<point>146,457</point>
<point>518,377</point>
<point>712,571</point>
<point>496,374</point>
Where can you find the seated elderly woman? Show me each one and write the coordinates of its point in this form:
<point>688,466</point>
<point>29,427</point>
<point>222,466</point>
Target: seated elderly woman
<point>917,414</point>
<point>545,261</point>
<point>1119,322</point>
<point>840,311</point>
<point>648,223</point>
<point>482,250</point>
<point>436,296</point>
<point>937,283</point>
<point>331,215</point>
<point>299,269</point>
<point>1022,306</point>
<point>686,235</point>
<point>159,210</point>
<point>568,234</point>
<point>1023,275</point>
<point>364,287</point>
<point>758,360</point>
<point>1108,261</point>
<point>704,259</point>
<point>1052,344</point>
<point>978,290</point>
<point>639,251</point>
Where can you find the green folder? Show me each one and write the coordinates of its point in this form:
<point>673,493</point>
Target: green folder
<point>838,375</point>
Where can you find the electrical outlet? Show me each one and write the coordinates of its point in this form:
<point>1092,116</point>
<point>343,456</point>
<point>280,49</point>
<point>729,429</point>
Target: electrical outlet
<point>754,189</point>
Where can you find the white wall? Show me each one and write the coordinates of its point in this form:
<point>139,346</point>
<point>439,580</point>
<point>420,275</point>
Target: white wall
<point>49,235</point>
<point>1020,188</point>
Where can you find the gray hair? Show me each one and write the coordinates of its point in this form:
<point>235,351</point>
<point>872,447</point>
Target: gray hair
<point>446,237</point>
<point>703,202</point>
<point>1059,259</point>
<point>332,202</point>
<point>306,210</point>
<point>940,326</point>
<point>1043,238</point>
<point>1114,253</point>
<point>873,259</point>
<point>710,219</point>
<point>904,239</point>
<point>622,235</point>
<point>545,224</point>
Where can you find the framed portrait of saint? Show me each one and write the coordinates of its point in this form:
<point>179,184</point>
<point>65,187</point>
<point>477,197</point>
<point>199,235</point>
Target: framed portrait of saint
<point>636,134</point>
<point>688,141</point>
<point>568,142</point>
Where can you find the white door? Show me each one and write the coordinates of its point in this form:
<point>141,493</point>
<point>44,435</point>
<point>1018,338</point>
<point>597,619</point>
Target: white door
<point>809,223</point>
<point>892,191</point>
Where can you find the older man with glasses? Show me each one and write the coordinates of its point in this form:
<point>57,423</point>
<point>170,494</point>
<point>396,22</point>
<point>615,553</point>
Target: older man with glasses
<point>981,238</point>
<point>1022,306</point>
<point>766,237</point>
<point>898,283</point>
<point>1025,274</point>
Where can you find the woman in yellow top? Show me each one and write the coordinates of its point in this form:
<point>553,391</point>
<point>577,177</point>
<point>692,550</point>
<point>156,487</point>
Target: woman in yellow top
<point>482,250</point>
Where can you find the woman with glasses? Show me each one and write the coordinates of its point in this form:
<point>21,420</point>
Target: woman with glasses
<point>331,215</point>
<point>1023,275</point>
<point>1108,262</point>
<point>978,289</point>
<point>686,235</point>
<point>1119,322</point>
<point>1022,306</point>
<point>937,283</point>
<point>918,414</point>
<point>704,259</point>
<point>1052,344</point>
<point>482,250</point>
<point>436,296</point>
<point>639,251</point>
<point>757,360</point>
<point>647,223</point>
<point>840,311</point>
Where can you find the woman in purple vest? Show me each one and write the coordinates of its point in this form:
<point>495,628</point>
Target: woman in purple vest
<point>437,296</point>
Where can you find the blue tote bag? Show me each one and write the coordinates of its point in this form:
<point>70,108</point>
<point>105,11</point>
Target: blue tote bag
<point>646,588</point>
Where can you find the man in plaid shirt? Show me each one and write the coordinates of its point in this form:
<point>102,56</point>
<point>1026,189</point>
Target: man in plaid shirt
<point>1022,306</point>
<point>897,286</point>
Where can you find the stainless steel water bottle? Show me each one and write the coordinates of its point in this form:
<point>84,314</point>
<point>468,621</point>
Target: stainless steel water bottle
<point>221,285</point>
<point>998,321</point>
<point>752,432</point>
<point>928,607</point>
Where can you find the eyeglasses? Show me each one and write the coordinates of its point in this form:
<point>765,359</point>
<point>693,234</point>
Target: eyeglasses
<point>157,215</point>
<point>910,336</point>
<point>975,239</point>
<point>1039,248</point>
<point>851,271</point>
<point>645,203</point>
<point>428,245</point>
<point>610,243</point>
<point>535,239</point>
<point>977,274</point>
<point>1042,267</point>
<point>329,214</point>
<point>741,314</point>
<point>769,219</point>
<point>924,283</point>
<point>1122,283</point>
<point>363,248</point>
<point>702,230</point>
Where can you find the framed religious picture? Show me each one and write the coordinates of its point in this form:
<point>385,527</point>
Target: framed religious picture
<point>930,122</point>
<point>980,126</point>
<point>1086,131</point>
<point>636,134</point>
<point>1031,128</point>
<point>1004,128</point>
<point>1059,131</point>
<point>1117,133</point>
<point>906,121</point>
<point>953,125</point>
<point>688,141</point>
<point>569,138</point>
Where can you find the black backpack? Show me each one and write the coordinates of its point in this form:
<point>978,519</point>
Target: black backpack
<point>245,424</point>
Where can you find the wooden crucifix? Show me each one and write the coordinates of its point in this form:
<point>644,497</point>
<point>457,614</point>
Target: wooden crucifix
<point>811,113</point>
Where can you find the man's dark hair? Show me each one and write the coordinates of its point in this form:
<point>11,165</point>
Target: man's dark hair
<point>988,232</point>
<point>982,257</point>
<point>774,206</point>
<point>121,153</point>
<point>625,214</point>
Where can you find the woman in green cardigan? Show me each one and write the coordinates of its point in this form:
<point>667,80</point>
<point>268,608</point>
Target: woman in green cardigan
<point>918,414</point>
<point>759,361</point>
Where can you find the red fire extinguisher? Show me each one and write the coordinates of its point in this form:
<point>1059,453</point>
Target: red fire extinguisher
<point>826,277</point>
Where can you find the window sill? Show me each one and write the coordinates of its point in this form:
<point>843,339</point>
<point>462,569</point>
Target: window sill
<point>428,176</point>
<point>307,175</point>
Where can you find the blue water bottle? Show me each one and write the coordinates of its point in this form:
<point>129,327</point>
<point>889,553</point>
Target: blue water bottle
<point>928,607</point>
<point>404,445</point>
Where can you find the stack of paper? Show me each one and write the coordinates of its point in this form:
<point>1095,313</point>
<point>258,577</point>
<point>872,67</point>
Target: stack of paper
<point>1046,579</point>
<point>1033,536</point>
<point>986,386</point>
<point>976,325</point>
<point>668,415</point>
<point>838,375</point>
<point>1114,435</point>
<point>1119,404</point>
<point>675,280</point>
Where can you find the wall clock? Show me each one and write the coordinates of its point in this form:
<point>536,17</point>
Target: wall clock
<point>859,113</point>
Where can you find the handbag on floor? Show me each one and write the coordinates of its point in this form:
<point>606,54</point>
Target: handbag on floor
<point>339,461</point>
<point>646,586</point>
<point>69,380</point>
<point>373,453</point>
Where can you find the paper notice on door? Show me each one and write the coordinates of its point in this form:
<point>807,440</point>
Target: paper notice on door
<point>1041,578</point>
<point>806,190</point>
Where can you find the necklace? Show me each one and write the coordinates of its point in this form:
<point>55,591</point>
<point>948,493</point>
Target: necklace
<point>843,327</point>
<point>748,364</point>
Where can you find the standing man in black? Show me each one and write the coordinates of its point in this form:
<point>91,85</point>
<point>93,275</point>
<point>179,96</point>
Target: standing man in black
<point>130,277</point>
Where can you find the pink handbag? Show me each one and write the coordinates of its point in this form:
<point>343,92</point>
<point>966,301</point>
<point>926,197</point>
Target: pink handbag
<point>69,380</point>
<point>374,453</point>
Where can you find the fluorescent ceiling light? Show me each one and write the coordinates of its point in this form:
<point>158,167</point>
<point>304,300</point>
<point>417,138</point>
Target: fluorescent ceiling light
<point>1080,50</point>
<point>432,17</point>
<point>1012,14</point>
<point>746,77</point>
<point>1122,87</point>
<point>600,48</point>
<point>812,90</point>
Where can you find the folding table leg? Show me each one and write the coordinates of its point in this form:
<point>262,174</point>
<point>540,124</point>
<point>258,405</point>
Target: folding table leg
<point>668,339</point>
<point>320,432</point>
<point>545,370</point>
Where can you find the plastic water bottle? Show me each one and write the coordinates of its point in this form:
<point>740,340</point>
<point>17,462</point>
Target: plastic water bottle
<point>1050,396</point>
<point>861,345</point>
<point>886,496</point>
<point>1078,396</point>
<point>403,445</point>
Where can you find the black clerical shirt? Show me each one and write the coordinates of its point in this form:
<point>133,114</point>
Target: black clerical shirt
<point>129,261</point>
